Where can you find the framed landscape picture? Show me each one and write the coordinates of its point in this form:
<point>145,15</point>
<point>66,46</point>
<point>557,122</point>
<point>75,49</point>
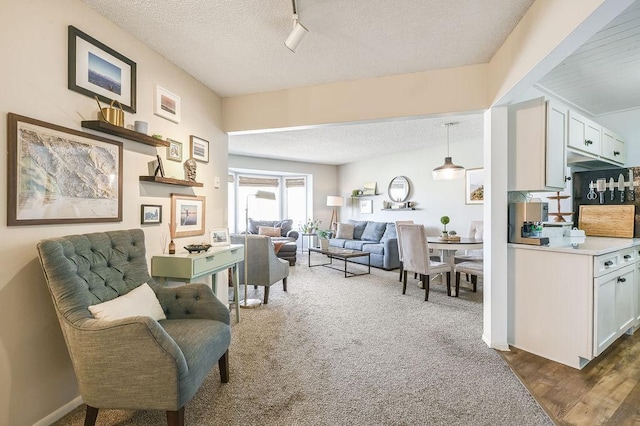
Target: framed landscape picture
<point>219,237</point>
<point>58,175</point>
<point>150,214</point>
<point>167,105</point>
<point>474,186</point>
<point>188,213</point>
<point>95,69</point>
<point>199,149</point>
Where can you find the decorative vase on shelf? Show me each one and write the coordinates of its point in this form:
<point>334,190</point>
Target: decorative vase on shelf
<point>172,247</point>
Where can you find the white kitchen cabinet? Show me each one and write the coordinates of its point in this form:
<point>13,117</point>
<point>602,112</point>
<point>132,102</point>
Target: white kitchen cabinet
<point>537,141</point>
<point>613,147</point>
<point>584,134</point>
<point>614,307</point>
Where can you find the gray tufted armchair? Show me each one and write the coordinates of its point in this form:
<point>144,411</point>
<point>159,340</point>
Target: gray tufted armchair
<point>135,362</point>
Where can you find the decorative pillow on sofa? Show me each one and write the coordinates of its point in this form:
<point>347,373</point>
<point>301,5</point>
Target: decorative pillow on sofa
<point>373,231</point>
<point>345,231</point>
<point>139,302</point>
<point>390,232</point>
<point>269,231</point>
<point>359,228</point>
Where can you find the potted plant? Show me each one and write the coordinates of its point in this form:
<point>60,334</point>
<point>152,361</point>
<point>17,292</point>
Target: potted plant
<point>323,238</point>
<point>310,226</point>
<point>444,220</point>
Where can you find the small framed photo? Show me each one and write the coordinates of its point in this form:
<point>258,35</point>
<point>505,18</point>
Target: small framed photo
<point>150,214</point>
<point>188,215</point>
<point>366,206</point>
<point>160,168</point>
<point>199,149</point>
<point>219,237</point>
<point>167,105</point>
<point>474,186</point>
<point>174,150</point>
<point>95,69</point>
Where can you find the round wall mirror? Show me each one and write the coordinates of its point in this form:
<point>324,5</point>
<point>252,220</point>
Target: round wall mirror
<point>399,189</point>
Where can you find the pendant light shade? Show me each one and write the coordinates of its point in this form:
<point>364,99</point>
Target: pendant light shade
<point>448,170</point>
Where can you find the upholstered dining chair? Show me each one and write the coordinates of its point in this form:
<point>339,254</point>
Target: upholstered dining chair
<point>134,344</point>
<point>476,230</point>
<point>398,223</point>
<point>415,254</point>
<point>472,269</point>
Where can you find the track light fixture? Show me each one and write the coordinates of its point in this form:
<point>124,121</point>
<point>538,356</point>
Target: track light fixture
<point>297,33</point>
<point>448,170</point>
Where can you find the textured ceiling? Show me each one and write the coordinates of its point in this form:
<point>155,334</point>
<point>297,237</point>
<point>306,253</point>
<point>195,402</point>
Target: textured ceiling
<point>237,47</point>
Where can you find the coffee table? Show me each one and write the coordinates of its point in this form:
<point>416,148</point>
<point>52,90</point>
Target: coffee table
<point>342,254</point>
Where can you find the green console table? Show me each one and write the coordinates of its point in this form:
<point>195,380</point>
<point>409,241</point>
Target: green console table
<point>187,267</point>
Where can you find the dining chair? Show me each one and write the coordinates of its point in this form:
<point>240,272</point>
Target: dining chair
<point>398,223</point>
<point>471,268</point>
<point>415,255</point>
<point>476,230</point>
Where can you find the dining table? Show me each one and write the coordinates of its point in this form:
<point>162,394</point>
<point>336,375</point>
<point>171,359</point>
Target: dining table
<point>448,248</point>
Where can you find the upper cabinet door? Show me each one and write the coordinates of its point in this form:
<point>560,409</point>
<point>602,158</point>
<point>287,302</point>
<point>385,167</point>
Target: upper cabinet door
<point>584,134</point>
<point>556,161</point>
<point>613,147</point>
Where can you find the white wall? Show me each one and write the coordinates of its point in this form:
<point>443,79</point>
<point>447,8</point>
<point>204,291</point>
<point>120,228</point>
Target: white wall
<point>36,377</point>
<point>434,198</point>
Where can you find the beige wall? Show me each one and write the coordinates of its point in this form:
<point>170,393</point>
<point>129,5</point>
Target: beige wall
<point>36,376</point>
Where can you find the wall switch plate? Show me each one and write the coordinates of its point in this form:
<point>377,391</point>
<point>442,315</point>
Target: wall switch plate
<point>216,183</point>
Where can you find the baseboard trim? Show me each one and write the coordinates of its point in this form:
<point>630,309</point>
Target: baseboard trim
<point>60,412</point>
<point>497,346</point>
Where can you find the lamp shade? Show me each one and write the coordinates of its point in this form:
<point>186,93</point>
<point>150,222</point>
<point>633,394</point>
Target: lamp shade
<point>448,170</point>
<point>334,201</point>
<point>297,35</point>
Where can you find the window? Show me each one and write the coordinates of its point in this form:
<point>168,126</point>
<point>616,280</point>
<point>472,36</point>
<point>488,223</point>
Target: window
<point>291,194</point>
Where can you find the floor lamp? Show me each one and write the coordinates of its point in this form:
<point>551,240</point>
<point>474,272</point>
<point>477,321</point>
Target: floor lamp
<point>334,201</point>
<point>265,195</point>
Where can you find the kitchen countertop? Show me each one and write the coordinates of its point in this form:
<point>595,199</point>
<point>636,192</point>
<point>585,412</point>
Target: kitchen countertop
<point>593,246</point>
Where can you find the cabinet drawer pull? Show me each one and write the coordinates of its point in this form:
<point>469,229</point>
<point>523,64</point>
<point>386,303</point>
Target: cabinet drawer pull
<point>627,256</point>
<point>588,142</point>
<point>616,152</point>
<point>608,263</point>
<point>621,279</point>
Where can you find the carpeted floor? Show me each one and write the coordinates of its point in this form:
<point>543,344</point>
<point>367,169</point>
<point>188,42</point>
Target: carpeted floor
<point>336,351</point>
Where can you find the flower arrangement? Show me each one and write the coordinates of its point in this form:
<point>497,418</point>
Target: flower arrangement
<point>310,227</point>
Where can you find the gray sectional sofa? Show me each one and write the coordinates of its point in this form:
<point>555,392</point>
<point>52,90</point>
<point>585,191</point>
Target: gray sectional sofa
<point>378,238</point>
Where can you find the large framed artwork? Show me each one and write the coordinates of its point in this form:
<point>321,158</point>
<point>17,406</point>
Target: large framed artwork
<point>95,69</point>
<point>188,214</point>
<point>60,175</point>
<point>474,186</point>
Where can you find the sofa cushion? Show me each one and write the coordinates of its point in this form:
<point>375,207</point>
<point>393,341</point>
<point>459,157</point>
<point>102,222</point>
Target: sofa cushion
<point>356,244</point>
<point>390,232</point>
<point>337,242</point>
<point>373,248</point>
<point>345,231</point>
<point>269,231</point>
<point>359,228</point>
<point>373,231</point>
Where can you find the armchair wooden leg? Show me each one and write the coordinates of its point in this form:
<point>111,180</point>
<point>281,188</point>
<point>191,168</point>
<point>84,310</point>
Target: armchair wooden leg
<point>474,281</point>
<point>90,416</point>
<point>284,284</point>
<point>457,283</point>
<point>223,365</point>
<point>401,271</point>
<point>449,284</point>
<point>266,294</point>
<point>404,283</point>
<point>175,418</point>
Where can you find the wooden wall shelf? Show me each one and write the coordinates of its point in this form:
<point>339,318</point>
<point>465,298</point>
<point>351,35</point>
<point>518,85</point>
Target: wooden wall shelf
<point>170,181</point>
<point>408,208</point>
<point>104,127</point>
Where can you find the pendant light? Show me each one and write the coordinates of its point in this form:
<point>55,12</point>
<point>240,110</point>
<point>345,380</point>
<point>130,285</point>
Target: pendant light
<point>448,170</point>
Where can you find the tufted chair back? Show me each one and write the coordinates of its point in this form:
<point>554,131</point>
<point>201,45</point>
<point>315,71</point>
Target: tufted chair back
<point>88,269</point>
<point>476,229</point>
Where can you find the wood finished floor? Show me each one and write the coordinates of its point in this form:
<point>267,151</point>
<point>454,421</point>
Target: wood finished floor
<point>605,392</point>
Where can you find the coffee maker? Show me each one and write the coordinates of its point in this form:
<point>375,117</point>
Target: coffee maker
<point>525,223</point>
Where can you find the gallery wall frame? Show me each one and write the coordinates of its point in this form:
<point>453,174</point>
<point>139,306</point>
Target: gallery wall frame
<point>474,186</point>
<point>219,237</point>
<point>188,215</point>
<point>174,150</point>
<point>95,69</point>
<point>59,175</point>
<point>167,105</point>
<point>150,214</point>
<point>366,206</point>
<point>199,149</point>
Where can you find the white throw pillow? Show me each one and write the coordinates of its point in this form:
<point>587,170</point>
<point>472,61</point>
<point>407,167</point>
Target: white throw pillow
<point>139,302</point>
<point>345,231</point>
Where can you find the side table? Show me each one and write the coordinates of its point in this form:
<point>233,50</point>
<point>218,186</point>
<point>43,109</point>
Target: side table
<point>187,267</point>
<point>310,239</point>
